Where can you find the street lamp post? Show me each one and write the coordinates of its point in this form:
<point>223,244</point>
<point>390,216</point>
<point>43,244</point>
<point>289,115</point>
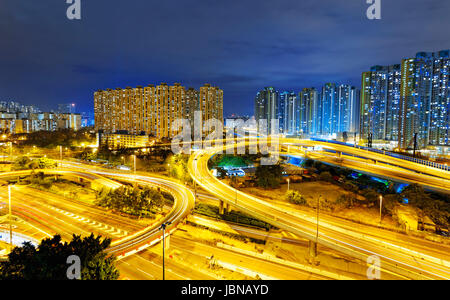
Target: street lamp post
<point>60,155</point>
<point>10,216</point>
<point>288,181</point>
<point>381,205</point>
<point>163,227</point>
<point>318,207</point>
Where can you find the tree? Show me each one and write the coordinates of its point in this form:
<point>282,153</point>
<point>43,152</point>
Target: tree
<point>295,197</point>
<point>177,167</point>
<point>49,260</point>
<point>439,213</point>
<point>390,201</point>
<point>346,200</point>
<point>268,176</point>
<point>46,163</point>
<point>135,201</point>
<point>371,196</point>
<point>62,137</point>
<point>21,163</point>
<point>326,176</point>
<point>42,163</point>
<point>308,163</point>
<point>418,198</point>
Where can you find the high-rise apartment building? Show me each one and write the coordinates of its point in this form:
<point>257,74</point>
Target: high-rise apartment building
<point>211,102</point>
<point>310,113</point>
<point>380,103</point>
<point>329,109</point>
<point>408,103</point>
<point>152,110</point>
<point>267,107</point>
<point>336,109</point>
<point>344,116</point>
<point>288,113</point>
<point>425,100</point>
<point>310,118</point>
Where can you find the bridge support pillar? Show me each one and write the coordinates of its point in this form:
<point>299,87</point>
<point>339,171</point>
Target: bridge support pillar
<point>221,207</point>
<point>228,208</point>
<point>167,242</point>
<point>312,257</point>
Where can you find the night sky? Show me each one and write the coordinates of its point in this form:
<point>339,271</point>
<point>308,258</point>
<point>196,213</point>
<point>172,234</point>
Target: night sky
<point>240,46</point>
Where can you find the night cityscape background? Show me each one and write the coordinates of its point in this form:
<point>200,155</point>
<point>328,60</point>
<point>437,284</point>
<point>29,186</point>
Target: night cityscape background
<point>241,47</point>
<point>225,140</point>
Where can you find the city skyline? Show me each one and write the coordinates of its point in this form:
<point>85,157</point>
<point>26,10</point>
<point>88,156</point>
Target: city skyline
<point>305,48</point>
<point>225,146</point>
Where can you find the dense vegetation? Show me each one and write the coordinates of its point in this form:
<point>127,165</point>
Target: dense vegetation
<point>177,167</point>
<point>49,260</point>
<point>433,205</point>
<point>141,202</point>
<point>295,197</point>
<point>52,139</point>
<point>25,163</point>
<point>269,176</point>
<point>233,216</point>
<point>232,161</point>
<point>152,160</point>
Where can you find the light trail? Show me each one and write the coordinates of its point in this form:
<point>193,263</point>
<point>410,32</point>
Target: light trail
<point>396,261</point>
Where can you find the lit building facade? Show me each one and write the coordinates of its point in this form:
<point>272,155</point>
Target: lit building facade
<point>288,110</point>
<point>380,103</point>
<point>31,122</point>
<point>408,102</point>
<point>425,100</point>
<point>152,110</point>
<point>267,107</point>
<point>115,141</point>
<point>310,113</point>
<point>309,118</point>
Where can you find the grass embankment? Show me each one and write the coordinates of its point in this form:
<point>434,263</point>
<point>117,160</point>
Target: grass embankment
<point>329,202</point>
<point>60,186</point>
<point>233,216</point>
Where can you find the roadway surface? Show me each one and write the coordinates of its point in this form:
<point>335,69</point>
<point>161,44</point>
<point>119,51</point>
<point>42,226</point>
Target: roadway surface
<point>55,214</point>
<point>396,255</point>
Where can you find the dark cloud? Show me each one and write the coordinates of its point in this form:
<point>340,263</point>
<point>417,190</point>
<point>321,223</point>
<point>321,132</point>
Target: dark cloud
<point>240,46</point>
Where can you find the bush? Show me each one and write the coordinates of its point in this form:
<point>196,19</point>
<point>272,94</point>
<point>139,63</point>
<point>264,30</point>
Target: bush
<point>233,216</point>
<point>21,163</point>
<point>295,198</point>
<point>326,176</point>
<point>345,200</point>
<point>371,196</point>
<point>135,201</point>
<point>177,167</point>
<point>48,261</point>
<point>268,176</point>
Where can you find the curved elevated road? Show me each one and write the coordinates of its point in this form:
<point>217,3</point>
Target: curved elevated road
<point>394,258</point>
<point>184,201</point>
